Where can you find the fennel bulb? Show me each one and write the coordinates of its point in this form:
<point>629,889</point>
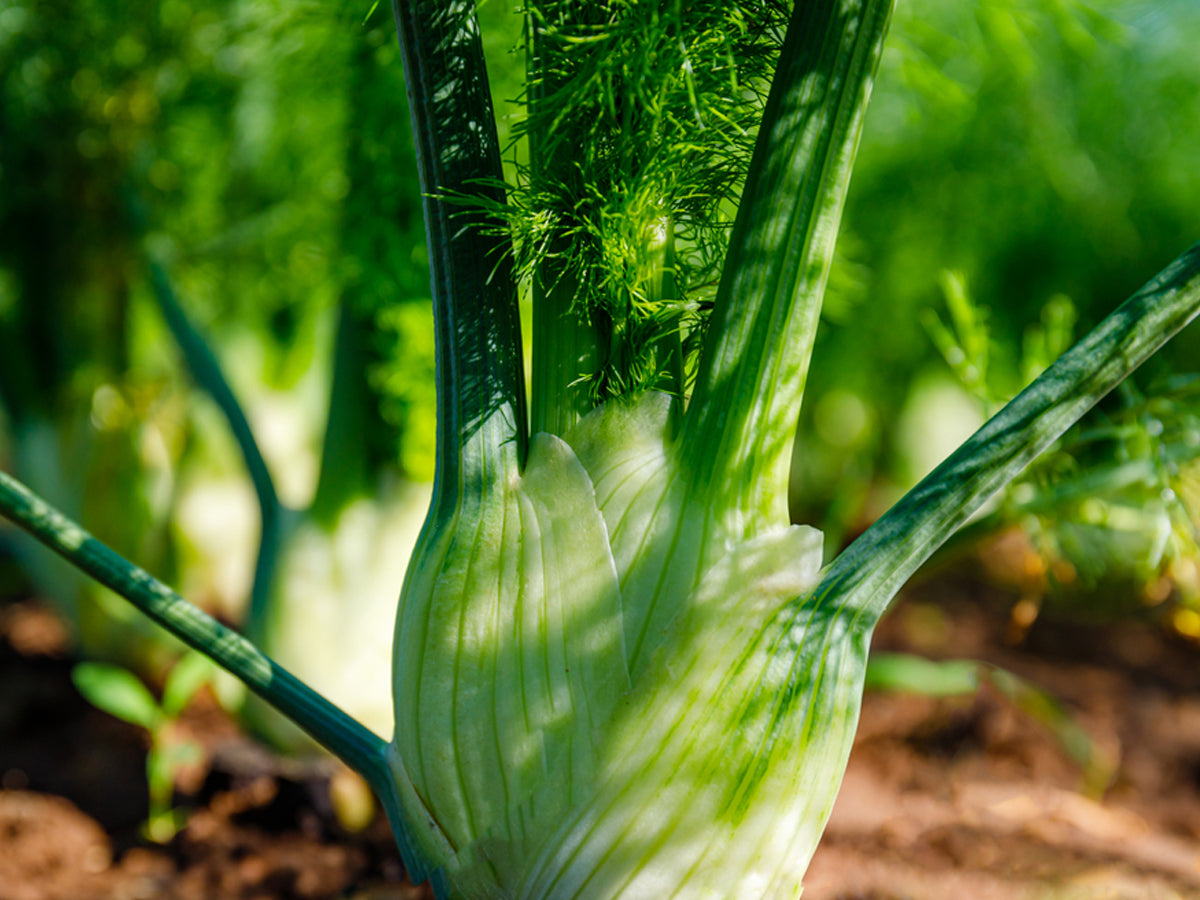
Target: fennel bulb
<point>600,694</point>
<point>332,605</point>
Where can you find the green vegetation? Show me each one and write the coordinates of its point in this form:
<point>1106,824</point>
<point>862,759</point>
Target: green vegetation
<point>1040,149</point>
<point>120,693</point>
<point>1111,513</point>
<point>302,263</point>
<point>619,671</point>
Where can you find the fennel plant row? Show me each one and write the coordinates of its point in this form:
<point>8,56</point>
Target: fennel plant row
<point>619,672</point>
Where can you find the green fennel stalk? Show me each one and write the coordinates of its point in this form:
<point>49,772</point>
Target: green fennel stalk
<point>618,671</point>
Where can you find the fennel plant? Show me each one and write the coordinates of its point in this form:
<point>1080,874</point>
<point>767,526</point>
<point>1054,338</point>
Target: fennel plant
<point>619,672</point>
<point>329,568</point>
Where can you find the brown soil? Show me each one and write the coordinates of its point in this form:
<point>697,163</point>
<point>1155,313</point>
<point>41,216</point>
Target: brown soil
<point>944,799</point>
<point>970,797</point>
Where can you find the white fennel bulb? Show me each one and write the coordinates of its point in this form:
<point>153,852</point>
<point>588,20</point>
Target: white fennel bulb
<point>598,695</point>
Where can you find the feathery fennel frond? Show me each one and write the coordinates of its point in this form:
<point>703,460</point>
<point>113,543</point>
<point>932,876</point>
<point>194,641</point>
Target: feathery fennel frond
<point>641,117</point>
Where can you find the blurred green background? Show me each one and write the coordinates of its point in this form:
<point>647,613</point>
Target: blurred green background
<point>1026,165</point>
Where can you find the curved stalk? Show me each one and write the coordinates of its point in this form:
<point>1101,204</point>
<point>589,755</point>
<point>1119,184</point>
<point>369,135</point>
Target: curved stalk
<point>206,370</point>
<point>868,573</point>
<point>482,437</point>
<point>358,746</point>
<point>482,428</point>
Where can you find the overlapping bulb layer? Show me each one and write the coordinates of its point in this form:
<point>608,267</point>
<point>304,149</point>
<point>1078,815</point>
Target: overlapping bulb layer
<point>598,696</point>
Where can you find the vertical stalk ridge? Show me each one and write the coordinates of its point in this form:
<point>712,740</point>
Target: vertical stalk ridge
<point>565,348</point>
<point>739,429</point>
<point>480,369</point>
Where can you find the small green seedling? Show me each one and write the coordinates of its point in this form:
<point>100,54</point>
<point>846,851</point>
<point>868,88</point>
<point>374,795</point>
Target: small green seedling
<point>906,673</point>
<point>120,693</point>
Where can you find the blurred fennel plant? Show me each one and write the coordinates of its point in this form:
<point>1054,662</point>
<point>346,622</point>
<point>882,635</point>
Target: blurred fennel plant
<point>325,576</point>
<point>328,567</point>
<point>1111,511</point>
<point>90,431</point>
<point>619,672</point>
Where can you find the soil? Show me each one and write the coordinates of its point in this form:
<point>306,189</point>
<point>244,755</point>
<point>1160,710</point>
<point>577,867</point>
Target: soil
<point>945,798</point>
